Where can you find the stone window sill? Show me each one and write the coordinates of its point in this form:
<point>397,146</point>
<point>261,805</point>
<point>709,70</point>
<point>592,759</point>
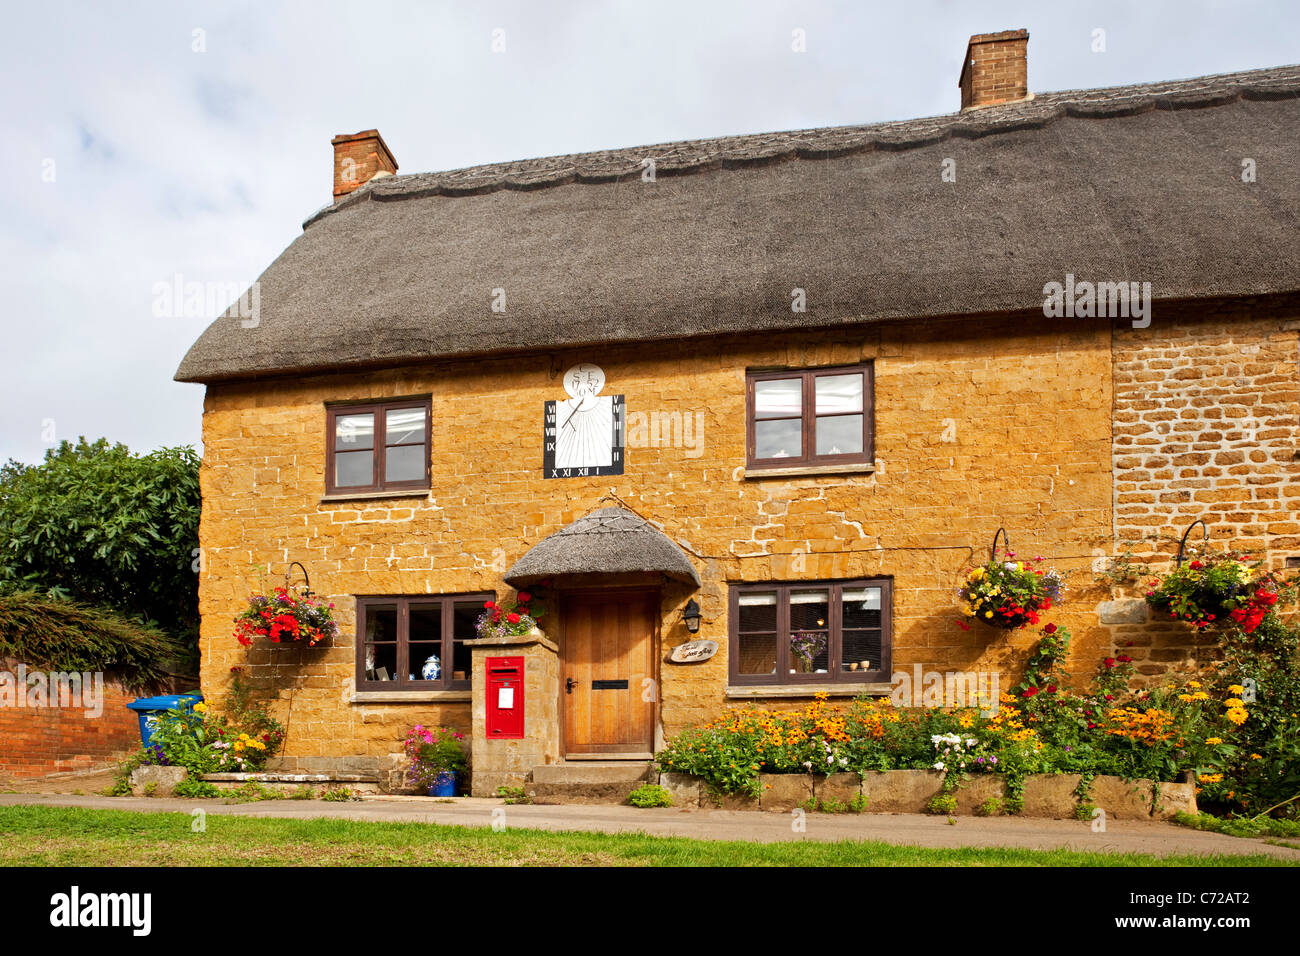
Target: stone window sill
<point>746,691</point>
<point>410,696</point>
<point>376,495</point>
<point>807,471</point>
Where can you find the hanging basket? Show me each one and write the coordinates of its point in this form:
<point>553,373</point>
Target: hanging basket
<point>1006,594</point>
<point>288,616</point>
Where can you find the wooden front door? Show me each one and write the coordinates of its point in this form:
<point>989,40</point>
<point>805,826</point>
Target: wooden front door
<point>608,684</point>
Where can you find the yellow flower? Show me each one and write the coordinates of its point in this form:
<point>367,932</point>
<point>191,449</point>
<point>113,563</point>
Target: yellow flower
<point>1211,778</point>
<point>200,707</point>
<point>988,613</point>
<point>1235,702</point>
<point>1213,741</point>
<point>1237,715</point>
<point>1236,689</point>
<point>1256,757</point>
<point>1200,695</point>
<point>1193,683</point>
<point>1185,698</point>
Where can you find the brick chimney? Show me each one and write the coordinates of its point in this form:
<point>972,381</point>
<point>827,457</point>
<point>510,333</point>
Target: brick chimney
<point>996,69</point>
<point>358,158</point>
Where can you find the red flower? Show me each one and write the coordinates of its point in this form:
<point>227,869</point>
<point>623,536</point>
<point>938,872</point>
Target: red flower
<point>1051,688</point>
<point>489,604</point>
<point>1124,659</point>
<point>1030,692</point>
<point>512,617</point>
<point>1109,662</point>
<point>1050,629</point>
<point>963,625</point>
<point>1196,565</point>
<point>524,597</point>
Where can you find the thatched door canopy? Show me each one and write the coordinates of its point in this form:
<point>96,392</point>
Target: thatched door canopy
<point>607,541</point>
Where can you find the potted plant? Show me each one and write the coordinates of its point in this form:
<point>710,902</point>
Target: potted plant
<point>1217,587</point>
<point>1009,594</point>
<point>288,615</point>
<point>807,646</point>
<point>436,757</point>
<point>511,618</point>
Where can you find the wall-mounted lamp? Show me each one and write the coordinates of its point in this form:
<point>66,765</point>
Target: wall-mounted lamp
<point>691,615</point>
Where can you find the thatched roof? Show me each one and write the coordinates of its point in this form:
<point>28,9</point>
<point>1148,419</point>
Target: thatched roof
<point>607,541</point>
<point>1138,183</point>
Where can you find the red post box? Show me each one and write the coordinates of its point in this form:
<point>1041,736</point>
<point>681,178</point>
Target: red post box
<point>505,697</point>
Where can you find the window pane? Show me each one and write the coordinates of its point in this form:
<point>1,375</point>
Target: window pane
<point>464,614</point>
<point>810,610</point>
<point>381,662</point>
<point>380,642</point>
<point>403,426</point>
<point>353,468</point>
<point>778,398</point>
<point>861,608</point>
<point>757,654</point>
<point>809,651</point>
<point>404,463</point>
<point>354,432</point>
<point>841,435</point>
<point>861,651</point>
<point>782,438</point>
<point>839,393</point>
<point>425,662</point>
<point>757,611</point>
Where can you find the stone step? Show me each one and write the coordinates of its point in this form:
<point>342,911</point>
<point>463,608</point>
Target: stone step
<point>588,781</point>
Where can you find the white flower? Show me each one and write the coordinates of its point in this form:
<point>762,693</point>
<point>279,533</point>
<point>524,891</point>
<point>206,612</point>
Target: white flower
<point>844,761</point>
<point>938,765</point>
<point>971,741</point>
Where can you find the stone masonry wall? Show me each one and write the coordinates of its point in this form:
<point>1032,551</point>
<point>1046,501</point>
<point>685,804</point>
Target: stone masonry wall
<point>1207,425</point>
<point>979,425</point>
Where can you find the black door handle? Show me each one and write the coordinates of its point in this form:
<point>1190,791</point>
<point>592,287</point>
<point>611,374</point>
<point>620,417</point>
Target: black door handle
<point>569,684</point>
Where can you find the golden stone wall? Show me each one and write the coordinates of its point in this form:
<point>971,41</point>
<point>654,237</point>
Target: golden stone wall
<point>979,424</point>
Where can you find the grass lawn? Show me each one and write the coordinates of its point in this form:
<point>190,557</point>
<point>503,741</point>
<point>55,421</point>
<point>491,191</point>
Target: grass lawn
<point>68,836</point>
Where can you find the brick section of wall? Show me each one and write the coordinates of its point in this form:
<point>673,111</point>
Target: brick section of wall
<point>996,69</point>
<point>979,425</point>
<point>37,741</point>
<point>1207,425</point>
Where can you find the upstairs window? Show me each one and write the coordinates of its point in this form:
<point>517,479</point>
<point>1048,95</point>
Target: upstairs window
<point>377,447</point>
<point>810,417</point>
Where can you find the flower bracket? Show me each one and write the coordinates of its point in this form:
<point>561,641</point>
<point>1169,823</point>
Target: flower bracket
<point>1006,544</point>
<point>1205,534</point>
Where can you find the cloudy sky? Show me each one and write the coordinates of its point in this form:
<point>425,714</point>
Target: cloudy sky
<point>150,140</point>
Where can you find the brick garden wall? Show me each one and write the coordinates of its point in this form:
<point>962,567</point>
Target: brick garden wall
<point>979,425</point>
<point>35,742</point>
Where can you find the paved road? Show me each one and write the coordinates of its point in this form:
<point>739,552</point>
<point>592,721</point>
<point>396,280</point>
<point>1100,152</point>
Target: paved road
<point>898,828</point>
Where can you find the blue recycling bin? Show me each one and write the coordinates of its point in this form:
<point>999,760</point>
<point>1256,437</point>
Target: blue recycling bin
<point>148,709</point>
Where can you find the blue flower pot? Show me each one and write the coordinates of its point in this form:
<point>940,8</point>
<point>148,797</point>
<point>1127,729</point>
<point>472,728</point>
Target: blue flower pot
<point>445,785</point>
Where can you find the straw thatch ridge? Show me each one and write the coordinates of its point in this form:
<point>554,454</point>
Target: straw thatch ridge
<point>606,541</point>
<point>1139,183</point>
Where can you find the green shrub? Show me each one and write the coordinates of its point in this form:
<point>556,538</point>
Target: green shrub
<point>97,524</point>
<point>60,635</point>
<point>942,804</point>
<point>514,794</point>
<point>992,807</point>
<point>339,795</point>
<point>193,788</point>
<point>650,795</point>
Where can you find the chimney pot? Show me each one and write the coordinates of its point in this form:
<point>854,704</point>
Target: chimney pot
<point>359,158</point>
<point>996,69</point>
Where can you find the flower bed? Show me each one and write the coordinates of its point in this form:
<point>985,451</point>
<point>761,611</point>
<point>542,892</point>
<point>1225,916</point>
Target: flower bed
<point>1039,728</point>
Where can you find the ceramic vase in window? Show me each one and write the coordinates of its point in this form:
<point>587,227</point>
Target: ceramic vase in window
<point>432,668</point>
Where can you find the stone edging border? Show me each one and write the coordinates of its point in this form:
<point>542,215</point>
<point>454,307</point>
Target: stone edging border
<point>1047,795</point>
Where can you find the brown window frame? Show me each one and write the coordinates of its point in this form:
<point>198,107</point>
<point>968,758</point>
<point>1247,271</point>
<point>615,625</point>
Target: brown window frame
<point>808,417</point>
<point>380,409</point>
<point>835,674</point>
<point>401,682</point>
